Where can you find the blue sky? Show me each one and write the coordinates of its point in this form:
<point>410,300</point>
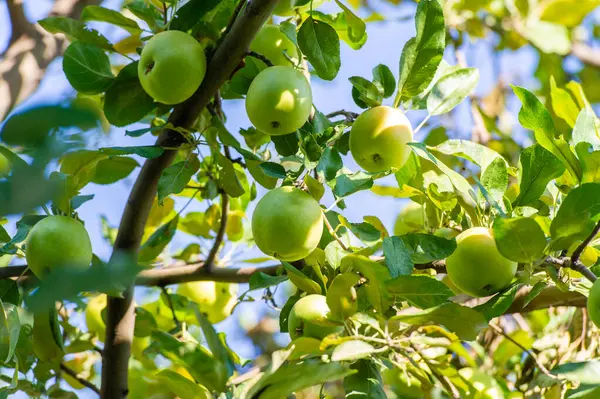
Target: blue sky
<point>384,45</point>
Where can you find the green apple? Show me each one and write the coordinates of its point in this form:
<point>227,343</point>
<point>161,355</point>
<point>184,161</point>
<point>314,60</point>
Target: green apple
<point>379,138</point>
<point>279,100</point>
<point>273,44</point>
<point>93,316</point>
<point>287,223</point>
<point>593,303</point>
<point>309,318</point>
<point>476,267</point>
<point>410,220</point>
<point>216,300</point>
<point>286,8</point>
<point>485,386</point>
<point>57,242</point>
<point>172,66</point>
<point>4,166</point>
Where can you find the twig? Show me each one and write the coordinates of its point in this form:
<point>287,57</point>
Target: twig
<point>210,259</point>
<point>422,124</point>
<point>537,362</point>
<point>79,379</point>
<point>332,232</point>
<point>234,16</point>
<point>165,18</point>
<point>579,250</point>
<point>261,57</point>
<point>349,115</point>
<point>170,304</point>
<point>577,266</point>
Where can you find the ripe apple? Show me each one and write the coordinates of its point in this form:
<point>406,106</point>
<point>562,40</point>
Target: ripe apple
<point>486,387</point>
<point>279,100</point>
<point>172,66</point>
<point>57,242</point>
<point>272,43</point>
<point>216,300</point>
<point>379,137</point>
<point>593,303</point>
<point>4,166</point>
<point>476,267</point>
<point>287,223</point>
<point>308,318</point>
<point>410,220</point>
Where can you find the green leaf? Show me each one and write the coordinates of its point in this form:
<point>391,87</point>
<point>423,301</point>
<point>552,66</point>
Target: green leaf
<point>384,79</point>
<point>537,167</point>
<point>479,154</point>
<point>548,37</point>
<point>157,242</point>
<point>495,179</point>
<point>75,30</point>
<point>147,151</point>
<point>351,351</point>
<point>563,104</point>
<point>330,163</point>
<point>81,165</point>
<point>463,321</point>
<point>582,372</point>
<point>450,90</point>
<point>188,15</point>
<point>261,280</point>
<point>420,290</point>
<point>293,377</point>
<point>376,276</point>
<point>9,292</point>
<point>366,383</point>
<point>357,29</point>
<point>366,92</point>
<point>181,386</point>
<point>341,296</point>
<point>174,178</point>
<point>126,101</point>
<point>228,179</point>
<point>519,239</point>
<point>113,169</point>
<point>32,127</point>
<point>535,116</point>
<point>397,256</point>
<point>499,303</point>
<point>320,44</point>
<point>87,68</point>
<point>422,54</point>
<point>273,169</point>
<point>259,174</point>
<point>577,215</point>
<point>562,11</point>
<point>364,231</point>
<point>217,347</point>
<point>586,129</point>
<point>101,14</point>
<point>23,226</point>
<point>286,144</point>
<point>144,11</point>
<point>425,248</point>
<point>590,163</point>
<point>350,184</point>
<point>300,280</point>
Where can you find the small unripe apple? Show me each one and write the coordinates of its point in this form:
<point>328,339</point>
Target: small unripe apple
<point>172,66</point>
<point>287,223</point>
<point>379,138</point>
<point>476,267</point>
<point>593,303</point>
<point>4,166</point>
<point>309,318</point>
<point>57,242</point>
<point>215,300</point>
<point>273,44</point>
<point>279,100</point>
<point>410,220</point>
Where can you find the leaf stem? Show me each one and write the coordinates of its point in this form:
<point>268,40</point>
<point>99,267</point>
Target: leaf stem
<point>422,123</point>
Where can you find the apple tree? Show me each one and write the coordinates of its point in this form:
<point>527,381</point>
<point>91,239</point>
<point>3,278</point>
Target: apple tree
<point>485,287</point>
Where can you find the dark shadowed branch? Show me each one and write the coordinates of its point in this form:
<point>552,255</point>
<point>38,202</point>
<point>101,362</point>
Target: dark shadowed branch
<point>65,369</point>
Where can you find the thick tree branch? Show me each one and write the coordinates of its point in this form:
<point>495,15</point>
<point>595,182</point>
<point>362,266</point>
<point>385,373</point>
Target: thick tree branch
<point>577,266</point>
<point>586,54</point>
<point>120,311</point>
<point>30,51</point>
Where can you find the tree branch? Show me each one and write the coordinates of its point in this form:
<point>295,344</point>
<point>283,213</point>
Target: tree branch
<point>261,57</point>
<point>579,250</point>
<point>577,266</point>
<point>349,115</point>
<point>79,379</point>
<point>210,259</point>
<point>30,51</point>
<point>120,311</point>
<point>586,54</point>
